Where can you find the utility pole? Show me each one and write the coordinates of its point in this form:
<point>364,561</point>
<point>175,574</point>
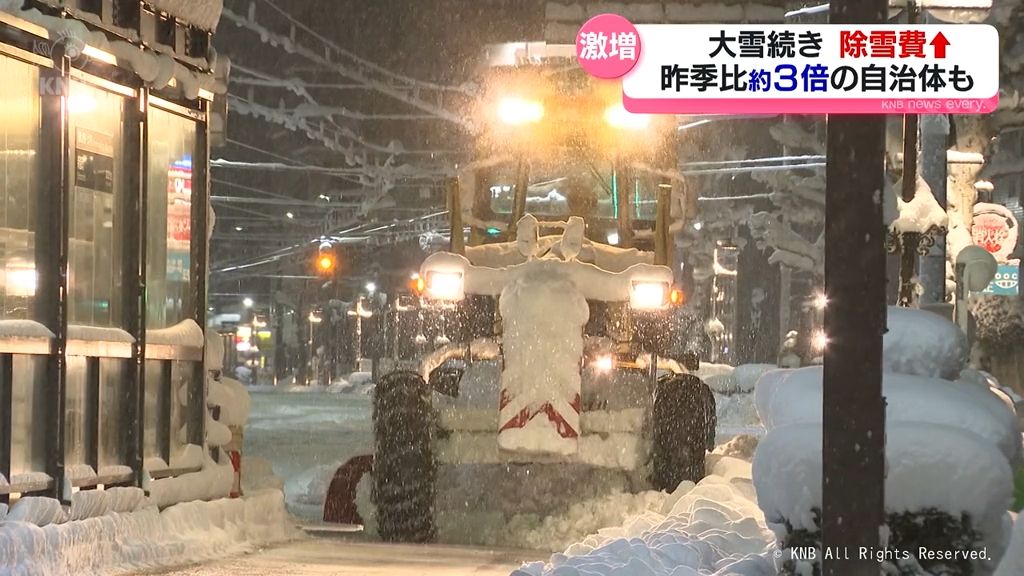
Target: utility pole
<point>853,455</point>
<point>934,144</point>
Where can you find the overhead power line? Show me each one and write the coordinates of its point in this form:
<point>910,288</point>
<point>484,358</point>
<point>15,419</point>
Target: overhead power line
<point>359,71</point>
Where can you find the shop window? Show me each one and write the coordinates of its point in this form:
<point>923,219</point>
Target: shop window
<point>95,264</point>
<point>157,416</point>
<point>29,410</point>
<point>78,433</point>
<point>114,412</point>
<point>166,418</point>
<point>172,142</point>
<point>19,181</point>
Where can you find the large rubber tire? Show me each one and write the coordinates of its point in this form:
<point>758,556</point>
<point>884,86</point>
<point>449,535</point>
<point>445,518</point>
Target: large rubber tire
<point>683,430</point>
<point>404,469</point>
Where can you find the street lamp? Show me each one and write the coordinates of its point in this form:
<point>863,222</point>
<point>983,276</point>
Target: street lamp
<point>247,302</point>
<point>371,288</point>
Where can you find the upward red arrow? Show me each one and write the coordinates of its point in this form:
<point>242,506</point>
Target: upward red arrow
<point>940,42</point>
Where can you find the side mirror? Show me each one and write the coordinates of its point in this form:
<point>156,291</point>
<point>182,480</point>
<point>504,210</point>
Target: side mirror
<point>445,380</point>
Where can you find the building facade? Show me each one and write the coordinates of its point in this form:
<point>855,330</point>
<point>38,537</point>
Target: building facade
<point>105,120</point>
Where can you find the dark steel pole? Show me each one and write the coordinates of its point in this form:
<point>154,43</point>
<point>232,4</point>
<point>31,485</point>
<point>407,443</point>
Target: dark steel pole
<point>134,415</point>
<point>853,456</point>
<point>200,273</point>
<point>52,255</point>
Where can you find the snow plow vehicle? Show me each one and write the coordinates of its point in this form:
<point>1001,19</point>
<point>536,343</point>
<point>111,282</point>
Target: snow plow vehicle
<point>558,379</point>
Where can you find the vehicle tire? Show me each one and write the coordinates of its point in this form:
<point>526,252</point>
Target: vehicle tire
<point>683,428</point>
<point>404,470</point>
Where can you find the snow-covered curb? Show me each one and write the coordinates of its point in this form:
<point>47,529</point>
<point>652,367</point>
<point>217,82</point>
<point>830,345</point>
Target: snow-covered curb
<point>146,539</point>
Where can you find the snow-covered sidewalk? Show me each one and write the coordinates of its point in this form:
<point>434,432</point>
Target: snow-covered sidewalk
<point>145,539</point>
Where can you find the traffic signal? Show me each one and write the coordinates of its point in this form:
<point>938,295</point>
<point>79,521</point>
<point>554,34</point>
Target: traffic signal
<point>326,260</point>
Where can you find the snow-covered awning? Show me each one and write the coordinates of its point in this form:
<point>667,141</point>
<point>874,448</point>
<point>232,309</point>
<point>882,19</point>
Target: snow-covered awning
<point>203,14</point>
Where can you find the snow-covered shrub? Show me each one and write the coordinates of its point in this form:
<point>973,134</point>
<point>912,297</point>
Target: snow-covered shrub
<point>923,343</point>
<point>1000,323</point>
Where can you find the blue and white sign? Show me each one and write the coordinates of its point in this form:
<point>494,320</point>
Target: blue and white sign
<point>1006,282</point>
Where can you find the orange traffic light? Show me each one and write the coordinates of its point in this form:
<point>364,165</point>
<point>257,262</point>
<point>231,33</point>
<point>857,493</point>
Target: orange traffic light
<point>677,297</point>
<point>417,285</point>
<point>326,262</point>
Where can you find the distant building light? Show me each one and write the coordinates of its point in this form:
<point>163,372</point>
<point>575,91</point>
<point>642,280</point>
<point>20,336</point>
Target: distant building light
<point>820,301</point>
<point>820,341</point>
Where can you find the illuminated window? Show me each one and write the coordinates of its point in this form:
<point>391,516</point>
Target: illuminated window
<point>172,142</point>
<point>19,144</point>
<point>95,264</point>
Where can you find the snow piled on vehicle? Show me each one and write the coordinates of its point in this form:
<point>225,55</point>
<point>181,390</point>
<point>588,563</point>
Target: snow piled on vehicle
<point>544,315</point>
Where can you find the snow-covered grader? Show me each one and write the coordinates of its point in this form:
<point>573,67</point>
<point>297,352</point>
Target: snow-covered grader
<point>558,377</point>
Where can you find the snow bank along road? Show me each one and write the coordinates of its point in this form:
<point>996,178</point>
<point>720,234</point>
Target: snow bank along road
<point>338,557</point>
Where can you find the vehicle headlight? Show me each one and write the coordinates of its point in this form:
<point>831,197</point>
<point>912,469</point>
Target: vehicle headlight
<point>603,363</point>
<point>519,111</point>
<point>445,286</point>
<point>618,117</point>
<point>649,295</point>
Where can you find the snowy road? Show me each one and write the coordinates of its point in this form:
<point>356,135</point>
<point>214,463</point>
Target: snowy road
<point>336,557</point>
<point>306,436</point>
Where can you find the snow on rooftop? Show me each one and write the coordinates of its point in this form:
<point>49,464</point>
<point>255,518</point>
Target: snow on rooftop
<point>920,214</point>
